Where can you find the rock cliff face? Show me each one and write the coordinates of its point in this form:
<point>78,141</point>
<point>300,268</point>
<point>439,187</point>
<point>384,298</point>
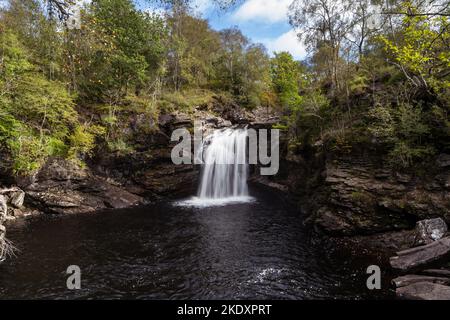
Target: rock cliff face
<point>363,198</point>
<point>359,196</point>
<point>63,187</point>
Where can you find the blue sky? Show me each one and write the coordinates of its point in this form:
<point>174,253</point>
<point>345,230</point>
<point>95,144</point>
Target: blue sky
<point>263,21</point>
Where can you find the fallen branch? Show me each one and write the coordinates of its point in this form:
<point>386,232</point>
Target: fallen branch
<point>7,249</point>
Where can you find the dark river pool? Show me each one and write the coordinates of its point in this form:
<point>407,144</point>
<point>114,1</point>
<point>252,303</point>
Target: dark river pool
<point>255,250</point>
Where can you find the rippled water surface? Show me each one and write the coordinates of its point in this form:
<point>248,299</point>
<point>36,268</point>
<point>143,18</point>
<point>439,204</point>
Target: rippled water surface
<point>254,250</point>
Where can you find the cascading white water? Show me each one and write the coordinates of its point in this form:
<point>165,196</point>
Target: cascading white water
<point>225,169</point>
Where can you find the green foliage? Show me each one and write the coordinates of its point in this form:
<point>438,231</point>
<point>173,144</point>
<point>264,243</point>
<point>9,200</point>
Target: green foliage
<point>124,50</point>
<point>285,80</point>
<point>82,140</point>
<point>358,84</point>
<point>421,48</point>
<point>120,146</point>
<point>405,132</point>
<point>62,91</point>
<point>37,116</point>
<point>185,100</point>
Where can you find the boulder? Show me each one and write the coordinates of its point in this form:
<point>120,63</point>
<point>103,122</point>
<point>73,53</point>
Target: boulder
<point>61,187</point>
<point>429,230</point>
<point>421,256</point>
<point>17,198</point>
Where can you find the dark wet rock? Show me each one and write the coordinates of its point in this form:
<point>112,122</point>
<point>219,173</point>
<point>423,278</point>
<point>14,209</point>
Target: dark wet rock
<point>429,230</point>
<point>262,180</point>
<point>437,272</point>
<point>361,198</point>
<point>17,198</point>
<point>63,187</point>
<point>231,111</point>
<point>409,279</point>
<point>419,257</point>
<point>389,242</point>
<point>168,180</point>
<point>424,291</point>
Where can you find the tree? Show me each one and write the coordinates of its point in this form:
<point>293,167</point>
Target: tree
<point>322,24</point>
<point>37,115</point>
<point>231,63</point>
<point>125,48</point>
<point>364,24</point>
<point>194,48</point>
<point>285,80</point>
<point>420,48</point>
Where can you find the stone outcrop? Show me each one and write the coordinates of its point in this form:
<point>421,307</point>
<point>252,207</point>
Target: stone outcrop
<point>63,187</point>
<point>422,256</point>
<point>12,203</point>
<point>427,284</point>
<point>429,230</point>
<point>149,170</point>
<point>362,198</point>
<point>360,195</point>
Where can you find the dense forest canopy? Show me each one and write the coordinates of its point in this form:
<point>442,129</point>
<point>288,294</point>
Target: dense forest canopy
<point>377,74</point>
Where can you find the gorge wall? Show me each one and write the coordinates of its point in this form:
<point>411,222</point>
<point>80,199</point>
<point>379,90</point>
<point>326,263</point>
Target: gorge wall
<point>339,195</point>
<point>361,194</point>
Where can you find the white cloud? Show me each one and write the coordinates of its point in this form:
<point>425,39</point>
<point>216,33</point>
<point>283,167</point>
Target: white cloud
<point>268,10</point>
<point>286,42</point>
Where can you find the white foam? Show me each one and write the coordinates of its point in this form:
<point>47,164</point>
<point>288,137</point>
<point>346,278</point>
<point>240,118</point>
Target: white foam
<point>209,202</point>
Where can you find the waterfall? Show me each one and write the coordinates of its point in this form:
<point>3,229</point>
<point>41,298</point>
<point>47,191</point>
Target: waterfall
<point>224,171</point>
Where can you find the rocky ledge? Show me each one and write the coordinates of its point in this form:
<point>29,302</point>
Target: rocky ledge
<point>364,198</point>
<point>428,262</point>
<point>63,187</point>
